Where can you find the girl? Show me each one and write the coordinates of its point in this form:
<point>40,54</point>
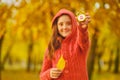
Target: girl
<point>69,40</point>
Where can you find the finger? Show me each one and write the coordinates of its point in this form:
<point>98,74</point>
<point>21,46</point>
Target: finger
<point>88,20</point>
<point>86,13</point>
<point>56,72</point>
<point>56,69</point>
<point>88,17</point>
<point>55,75</point>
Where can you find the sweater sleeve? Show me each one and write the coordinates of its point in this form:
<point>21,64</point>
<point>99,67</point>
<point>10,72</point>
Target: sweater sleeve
<point>83,39</point>
<point>45,71</point>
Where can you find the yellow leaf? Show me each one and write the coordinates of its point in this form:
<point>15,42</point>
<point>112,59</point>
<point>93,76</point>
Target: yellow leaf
<point>61,63</point>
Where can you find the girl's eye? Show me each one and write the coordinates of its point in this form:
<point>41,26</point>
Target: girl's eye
<point>60,24</point>
<point>68,23</point>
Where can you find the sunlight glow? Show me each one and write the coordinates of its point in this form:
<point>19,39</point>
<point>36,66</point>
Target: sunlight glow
<point>107,6</point>
<point>97,5</point>
<point>12,2</point>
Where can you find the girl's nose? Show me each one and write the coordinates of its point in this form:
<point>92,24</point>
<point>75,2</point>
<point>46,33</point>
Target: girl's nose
<point>64,26</point>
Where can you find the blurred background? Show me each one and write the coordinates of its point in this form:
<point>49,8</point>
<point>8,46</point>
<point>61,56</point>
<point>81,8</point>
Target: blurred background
<point>25,30</point>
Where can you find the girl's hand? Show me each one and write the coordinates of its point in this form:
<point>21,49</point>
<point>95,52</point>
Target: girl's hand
<point>84,23</point>
<point>55,73</point>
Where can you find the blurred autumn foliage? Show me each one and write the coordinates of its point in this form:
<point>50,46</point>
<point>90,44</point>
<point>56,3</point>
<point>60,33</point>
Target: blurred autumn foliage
<point>25,30</point>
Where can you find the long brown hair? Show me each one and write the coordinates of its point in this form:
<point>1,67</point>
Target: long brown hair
<point>56,39</point>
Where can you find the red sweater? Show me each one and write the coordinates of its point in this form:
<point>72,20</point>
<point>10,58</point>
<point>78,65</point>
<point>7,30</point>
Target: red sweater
<point>74,49</point>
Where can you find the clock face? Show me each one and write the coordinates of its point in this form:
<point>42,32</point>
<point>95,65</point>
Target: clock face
<point>81,17</point>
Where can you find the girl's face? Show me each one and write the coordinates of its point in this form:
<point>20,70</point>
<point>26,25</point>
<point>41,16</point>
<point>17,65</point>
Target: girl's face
<point>64,25</point>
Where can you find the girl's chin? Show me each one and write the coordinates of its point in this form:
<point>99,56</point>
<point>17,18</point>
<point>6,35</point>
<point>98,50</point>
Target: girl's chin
<point>65,36</point>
